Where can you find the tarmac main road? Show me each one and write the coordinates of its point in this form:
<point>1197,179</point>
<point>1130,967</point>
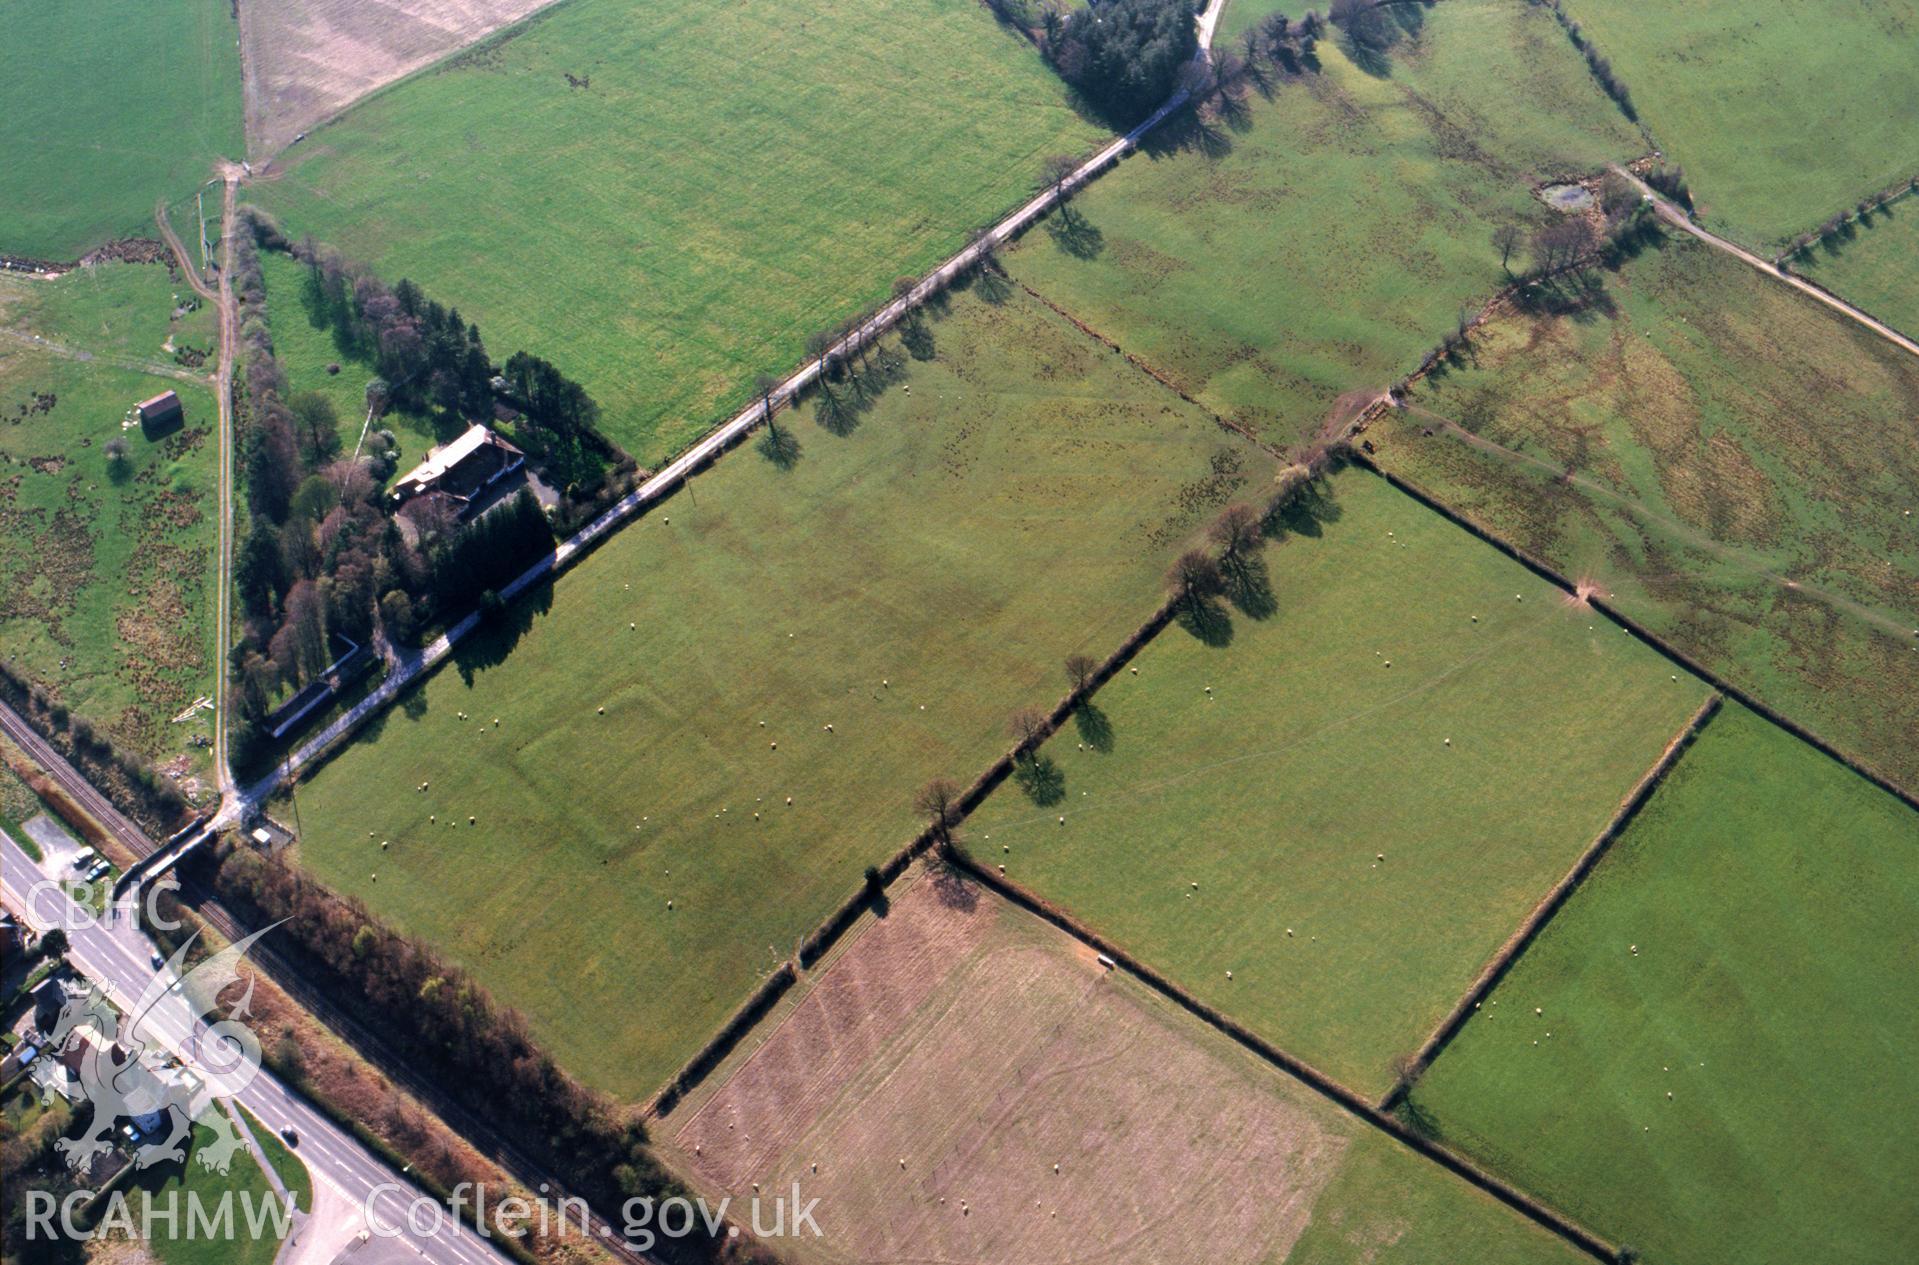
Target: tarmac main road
<point>348,1179</point>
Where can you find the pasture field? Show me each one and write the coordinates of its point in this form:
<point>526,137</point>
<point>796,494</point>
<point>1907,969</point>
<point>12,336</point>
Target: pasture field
<point>109,108</point>
<point>105,565</point>
<point>1877,267</point>
<point>1370,713</point>
<point>1743,463</point>
<point>1319,243</point>
<point>305,349</point>
<point>1010,502</point>
<point>1783,112</point>
<point>1243,15</point>
<point>309,59</point>
<point>964,1082</point>
<point>1728,997</point>
<point>666,199</point>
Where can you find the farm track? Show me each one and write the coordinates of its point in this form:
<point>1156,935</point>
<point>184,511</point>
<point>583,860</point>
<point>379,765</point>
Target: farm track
<point>222,299</point>
<point>662,485</point>
<point>239,803</point>
<point>1680,220</point>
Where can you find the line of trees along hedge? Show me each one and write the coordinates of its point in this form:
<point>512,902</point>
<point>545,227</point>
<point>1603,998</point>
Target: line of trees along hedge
<point>1123,56</point>
<point>322,553</point>
<point>444,1023</point>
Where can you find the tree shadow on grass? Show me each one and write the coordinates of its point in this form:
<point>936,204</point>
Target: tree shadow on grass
<point>916,335</point>
<point>1249,585</point>
<point>1233,111</point>
<point>992,285</point>
<point>1305,513</point>
<point>1581,296</point>
<point>1095,727</point>
<point>1189,129</point>
<point>489,644</point>
<point>1207,621</point>
<point>1073,233</point>
<point>1041,778</point>
<point>780,446</point>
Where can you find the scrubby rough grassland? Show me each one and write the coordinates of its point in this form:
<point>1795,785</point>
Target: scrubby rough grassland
<point>1370,714</point>
<point>104,109</point>
<point>1876,265</point>
<point>1016,506</point>
<point>1770,896</point>
<point>712,183</point>
<point>105,567</point>
<point>983,1048</point>
<point>309,59</point>
<point>1783,112</point>
<point>1325,241</point>
<point>1744,462</point>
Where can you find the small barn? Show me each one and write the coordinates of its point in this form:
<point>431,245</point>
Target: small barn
<point>160,414</point>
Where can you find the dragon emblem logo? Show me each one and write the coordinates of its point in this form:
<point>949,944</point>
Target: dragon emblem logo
<point>165,1066</point>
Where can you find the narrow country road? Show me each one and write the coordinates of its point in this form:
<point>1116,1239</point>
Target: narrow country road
<point>1679,219</point>
<point>111,951</point>
<point>411,667</point>
<point>222,299</point>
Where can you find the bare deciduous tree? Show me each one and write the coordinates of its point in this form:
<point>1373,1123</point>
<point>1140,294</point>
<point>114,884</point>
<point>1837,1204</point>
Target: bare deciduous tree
<point>1506,240</point>
<point>1028,726</point>
<point>1236,530</point>
<point>1080,669</point>
<point>1193,577</point>
<point>938,802</point>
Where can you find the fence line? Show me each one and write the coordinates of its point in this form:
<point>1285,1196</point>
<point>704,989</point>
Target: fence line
<point>1554,900</point>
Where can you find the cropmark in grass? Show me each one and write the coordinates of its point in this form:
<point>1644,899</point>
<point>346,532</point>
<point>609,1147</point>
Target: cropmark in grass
<point>835,629</point>
<point>666,199</point>
<point>109,108</point>
<point>1731,462</point>
<point>1783,112</point>
<point>1327,826</point>
<point>1706,1052</point>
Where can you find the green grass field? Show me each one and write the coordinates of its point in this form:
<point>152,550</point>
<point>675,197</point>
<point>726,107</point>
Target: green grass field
<point>1370,714</point>
<point>104,566</point>
<point>1321,244</point>
<point>731,178</point>
<point>1744,462</point>
<point>1243,15</point>
<point>1770,896</point>
<point>1877,267</point>
<point>1782,112</point>
<point>110,108</point>
<point>305,350</point>
<point>984,1047</point>
<point>244,1185</point>
<point>1009,503</point>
